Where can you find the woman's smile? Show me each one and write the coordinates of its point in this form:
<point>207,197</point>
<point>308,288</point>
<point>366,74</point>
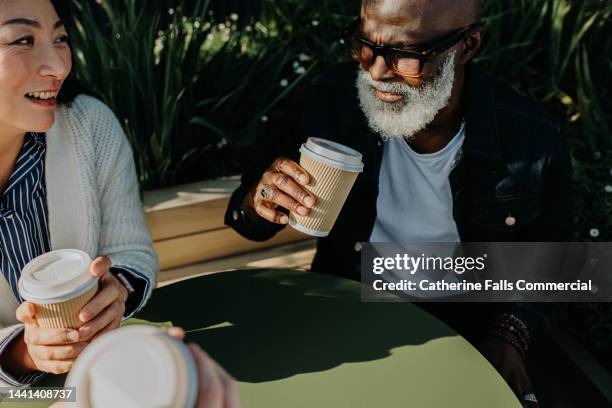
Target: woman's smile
<point>46,98</point>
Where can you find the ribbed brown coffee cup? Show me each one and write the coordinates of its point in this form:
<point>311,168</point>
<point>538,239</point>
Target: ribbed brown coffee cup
<point>59,284</point>
<point>65,314</point>
<point>333,169</point>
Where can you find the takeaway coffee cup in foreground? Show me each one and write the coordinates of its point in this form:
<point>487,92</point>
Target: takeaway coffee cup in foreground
<point>333,169</point>
<point>135,366</point>
<point>59,284</point>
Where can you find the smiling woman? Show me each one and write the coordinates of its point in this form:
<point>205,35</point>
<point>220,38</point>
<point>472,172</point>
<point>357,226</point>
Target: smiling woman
<point>67,180</point>
<point>33,40</point>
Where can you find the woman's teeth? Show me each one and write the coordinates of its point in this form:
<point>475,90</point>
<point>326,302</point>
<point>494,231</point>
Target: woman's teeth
<point>42,95</point>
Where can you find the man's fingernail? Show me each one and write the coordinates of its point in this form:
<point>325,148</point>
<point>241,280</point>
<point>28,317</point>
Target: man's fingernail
<point>284,219</point>
<point>309,201</point>
<point>85,316</point>
<point>303,179</point>
<point>302,210</point>
<point>73,335</point>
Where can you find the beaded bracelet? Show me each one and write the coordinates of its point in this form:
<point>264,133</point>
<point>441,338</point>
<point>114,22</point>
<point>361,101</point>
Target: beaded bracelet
<point>509,340</point>
<point>512,319</point>
<point>516,325</point>
<point>518,333</point>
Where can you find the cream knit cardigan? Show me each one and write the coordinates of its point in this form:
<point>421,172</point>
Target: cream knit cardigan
<point>92,195</point>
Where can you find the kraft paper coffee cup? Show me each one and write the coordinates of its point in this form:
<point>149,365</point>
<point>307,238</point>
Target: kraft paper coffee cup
<point>135,366</point>
<point>333,169</point>
<point>59,284</point>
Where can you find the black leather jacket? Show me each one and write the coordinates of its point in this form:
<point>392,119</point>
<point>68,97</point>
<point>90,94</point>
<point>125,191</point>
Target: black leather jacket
<point>515,163</point>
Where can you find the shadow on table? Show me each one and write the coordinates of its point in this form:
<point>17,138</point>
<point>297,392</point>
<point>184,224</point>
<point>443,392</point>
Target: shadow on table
<point>268,325</point>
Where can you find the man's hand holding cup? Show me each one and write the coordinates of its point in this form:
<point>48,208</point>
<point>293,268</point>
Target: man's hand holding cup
<point>325,176</point>
<point>282,185</point>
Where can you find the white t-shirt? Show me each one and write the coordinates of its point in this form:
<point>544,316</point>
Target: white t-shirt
<point>415,202</point>
<point>415,205</point>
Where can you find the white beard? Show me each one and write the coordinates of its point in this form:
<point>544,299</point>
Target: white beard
<point>417,109</point>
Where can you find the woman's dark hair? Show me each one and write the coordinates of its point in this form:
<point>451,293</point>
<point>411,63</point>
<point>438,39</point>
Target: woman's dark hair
<point>71,87</point>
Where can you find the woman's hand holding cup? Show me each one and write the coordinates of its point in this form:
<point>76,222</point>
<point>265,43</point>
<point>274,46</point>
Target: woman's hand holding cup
<point>54,350</point>
<point>106,309</point>
<point>282,185</point>
<point>42,349</point>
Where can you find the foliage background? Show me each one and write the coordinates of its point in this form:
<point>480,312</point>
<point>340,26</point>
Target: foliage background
<point>194,83</point>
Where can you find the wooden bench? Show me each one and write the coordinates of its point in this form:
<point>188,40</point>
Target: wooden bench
<point>187,226</point>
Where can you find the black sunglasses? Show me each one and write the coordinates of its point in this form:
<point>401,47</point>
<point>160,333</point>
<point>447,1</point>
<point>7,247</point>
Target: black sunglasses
<point>406,62</point>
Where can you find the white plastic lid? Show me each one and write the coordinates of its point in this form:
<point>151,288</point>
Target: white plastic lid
<point>333,154</point>
<point>135,366</point>
<point>56,277</point>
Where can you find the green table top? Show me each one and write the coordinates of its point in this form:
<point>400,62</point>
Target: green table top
<point>300,339</point>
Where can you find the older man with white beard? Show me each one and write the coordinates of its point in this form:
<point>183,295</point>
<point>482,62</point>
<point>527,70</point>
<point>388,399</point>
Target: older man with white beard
<point>450,155</point>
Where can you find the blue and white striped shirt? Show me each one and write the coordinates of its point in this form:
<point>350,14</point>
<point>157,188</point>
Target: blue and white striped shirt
<point>24,233</point>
